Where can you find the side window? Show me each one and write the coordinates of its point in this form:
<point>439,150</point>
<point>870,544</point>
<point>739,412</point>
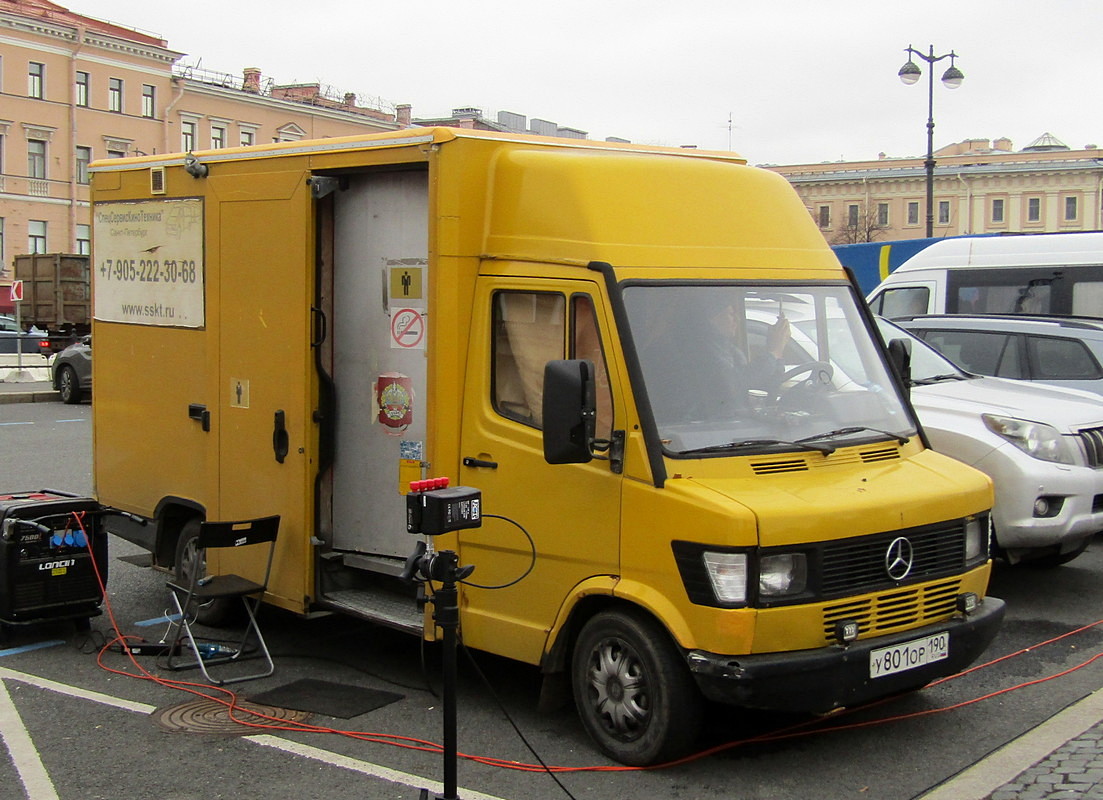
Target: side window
<point>902,302</point>
<point>528,332</point>
<point>586,343</point>
<point>1061,359</point>
<point>980,351</point>
<point>1087,298</point>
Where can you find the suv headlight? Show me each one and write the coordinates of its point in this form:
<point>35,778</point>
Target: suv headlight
<point>1036,439</point>
<point>782,574</point>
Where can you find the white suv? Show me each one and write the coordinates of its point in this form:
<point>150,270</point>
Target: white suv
<point>1041,445</point>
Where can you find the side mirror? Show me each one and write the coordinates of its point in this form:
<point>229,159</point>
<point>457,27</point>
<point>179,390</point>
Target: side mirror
<point>570,413</point>
<point>900,356</point>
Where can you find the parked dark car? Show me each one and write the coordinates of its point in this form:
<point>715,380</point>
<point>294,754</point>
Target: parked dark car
<point>72,371</point>
<point>1062,351</point>
<point>11,338</point>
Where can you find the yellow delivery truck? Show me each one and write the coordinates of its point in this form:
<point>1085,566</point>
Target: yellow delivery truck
<point>647,359</point>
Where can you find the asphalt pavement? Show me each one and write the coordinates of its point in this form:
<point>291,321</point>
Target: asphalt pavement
<point>1061,759</point>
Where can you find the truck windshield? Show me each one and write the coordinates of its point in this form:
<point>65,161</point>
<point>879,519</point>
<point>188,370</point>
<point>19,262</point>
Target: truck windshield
<point>732,369</point>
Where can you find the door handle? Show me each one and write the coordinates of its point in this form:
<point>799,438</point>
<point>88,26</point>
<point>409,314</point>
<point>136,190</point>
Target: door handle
<point>478,462</point>
<point>279,436</point>
<point>200,414</point>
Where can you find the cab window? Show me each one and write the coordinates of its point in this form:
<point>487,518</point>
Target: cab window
<point>902,302</point>
<point>586,343</point>
<point>528,332</point>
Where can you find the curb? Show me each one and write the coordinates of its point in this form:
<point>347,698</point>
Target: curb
<point>1017,756</point>
<point>7,398</point>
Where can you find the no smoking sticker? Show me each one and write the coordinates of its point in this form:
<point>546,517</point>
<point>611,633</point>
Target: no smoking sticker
<point>408,329</point>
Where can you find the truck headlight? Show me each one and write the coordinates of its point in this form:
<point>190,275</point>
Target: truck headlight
<point>1036,439</point>
<point>976,538</point>
<point>782,574</point>
<point>728,574</point>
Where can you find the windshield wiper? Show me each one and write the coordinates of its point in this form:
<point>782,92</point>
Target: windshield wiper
<point>949,376</point>
<point>743,444</point>
<point>853,429</point>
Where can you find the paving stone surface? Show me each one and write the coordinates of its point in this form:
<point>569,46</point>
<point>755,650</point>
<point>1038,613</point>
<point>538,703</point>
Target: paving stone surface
<point>1072,772</point>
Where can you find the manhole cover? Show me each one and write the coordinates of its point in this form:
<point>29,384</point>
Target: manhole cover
<point>211,717</point>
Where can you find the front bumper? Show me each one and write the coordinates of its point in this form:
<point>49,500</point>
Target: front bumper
<point>1019,480</point>
<point>820,680</point>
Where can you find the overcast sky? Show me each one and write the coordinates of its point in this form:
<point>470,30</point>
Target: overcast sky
<point>800,81</point>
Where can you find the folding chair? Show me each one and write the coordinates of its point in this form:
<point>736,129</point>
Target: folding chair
<point>186,652</point>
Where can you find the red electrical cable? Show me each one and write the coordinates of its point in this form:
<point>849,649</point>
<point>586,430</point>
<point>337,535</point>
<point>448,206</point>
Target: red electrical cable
<point>794,731</point>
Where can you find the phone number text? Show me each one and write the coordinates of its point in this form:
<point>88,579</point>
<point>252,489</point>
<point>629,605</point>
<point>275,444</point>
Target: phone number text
<point>148,270</point>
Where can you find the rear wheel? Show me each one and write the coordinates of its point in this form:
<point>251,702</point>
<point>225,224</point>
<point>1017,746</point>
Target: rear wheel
<point>68,385</point>
<point>213,613</point>
<point>633,691</point>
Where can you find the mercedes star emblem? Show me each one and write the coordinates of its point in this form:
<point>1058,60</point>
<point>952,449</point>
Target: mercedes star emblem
<point>898,559</point>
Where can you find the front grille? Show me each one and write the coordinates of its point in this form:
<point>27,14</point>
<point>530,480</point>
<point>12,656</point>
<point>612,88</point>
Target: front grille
<point>894,610</point>
<point>1092,439</point>
<point>854,566</point>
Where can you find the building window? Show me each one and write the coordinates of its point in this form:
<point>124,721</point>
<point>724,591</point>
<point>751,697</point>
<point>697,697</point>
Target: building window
<point>84,157</point>
<point>943,212</point>
<point>997,210</point>
<point>36,80</point>
<point>825,216</point>
<point>36,236</point>
<point>188,130</point>
<point>116,153</point>
<point>248,137</point>
<point>2,259</point>
<point>84,239</point>
<point>218,137</point>
<point>852,216</point>
<point>1071,211</point>
<point>913,212</point>
<point>882,215</point>
<point>36,159</point>
<point>149,101</point>
<point>1034,209</point>
<point>82,89</point>
<point>115,94</point>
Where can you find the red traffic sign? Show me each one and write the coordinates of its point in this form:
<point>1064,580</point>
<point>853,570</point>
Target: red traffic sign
<point>17,291</point>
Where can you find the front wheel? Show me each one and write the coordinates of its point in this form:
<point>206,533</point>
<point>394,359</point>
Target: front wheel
<point>633,691</point>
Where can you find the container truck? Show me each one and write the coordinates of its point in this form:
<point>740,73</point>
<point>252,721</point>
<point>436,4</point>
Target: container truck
<point>680,506</point>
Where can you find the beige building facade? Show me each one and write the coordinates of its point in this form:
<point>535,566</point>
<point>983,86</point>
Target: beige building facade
<point>980,186</point>
<point>75,89</point>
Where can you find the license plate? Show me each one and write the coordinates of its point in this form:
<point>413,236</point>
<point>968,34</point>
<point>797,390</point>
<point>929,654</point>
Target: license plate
<point>908,655</point>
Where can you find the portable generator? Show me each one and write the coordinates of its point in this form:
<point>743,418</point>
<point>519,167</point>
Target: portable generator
<point>51,546</point>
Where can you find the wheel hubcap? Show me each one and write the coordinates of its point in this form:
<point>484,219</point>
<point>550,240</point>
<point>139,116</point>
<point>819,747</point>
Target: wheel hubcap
<point>619,691</point>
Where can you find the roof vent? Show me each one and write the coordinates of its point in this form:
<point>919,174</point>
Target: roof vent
<point>157,180</point>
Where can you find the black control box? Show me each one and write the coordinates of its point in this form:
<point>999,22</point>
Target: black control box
<point>433,511</point>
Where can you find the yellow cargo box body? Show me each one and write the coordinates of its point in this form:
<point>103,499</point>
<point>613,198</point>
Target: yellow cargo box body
<point>303,328</point>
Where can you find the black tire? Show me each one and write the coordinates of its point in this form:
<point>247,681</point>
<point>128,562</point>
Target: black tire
<point>1057,559</point>
<point>68,386</point>
<point>633,690</point>
<point>215,613</point>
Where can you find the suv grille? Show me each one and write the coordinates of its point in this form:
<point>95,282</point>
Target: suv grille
<point>1092,439</point>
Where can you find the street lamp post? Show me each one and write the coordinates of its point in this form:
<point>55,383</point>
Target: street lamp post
<point>951,79</point>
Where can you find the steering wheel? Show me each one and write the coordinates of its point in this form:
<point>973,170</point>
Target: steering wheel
<point>819,375</point>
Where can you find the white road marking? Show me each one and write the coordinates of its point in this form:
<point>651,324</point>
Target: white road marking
<point>26,746</point>
<point>36,781</point>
